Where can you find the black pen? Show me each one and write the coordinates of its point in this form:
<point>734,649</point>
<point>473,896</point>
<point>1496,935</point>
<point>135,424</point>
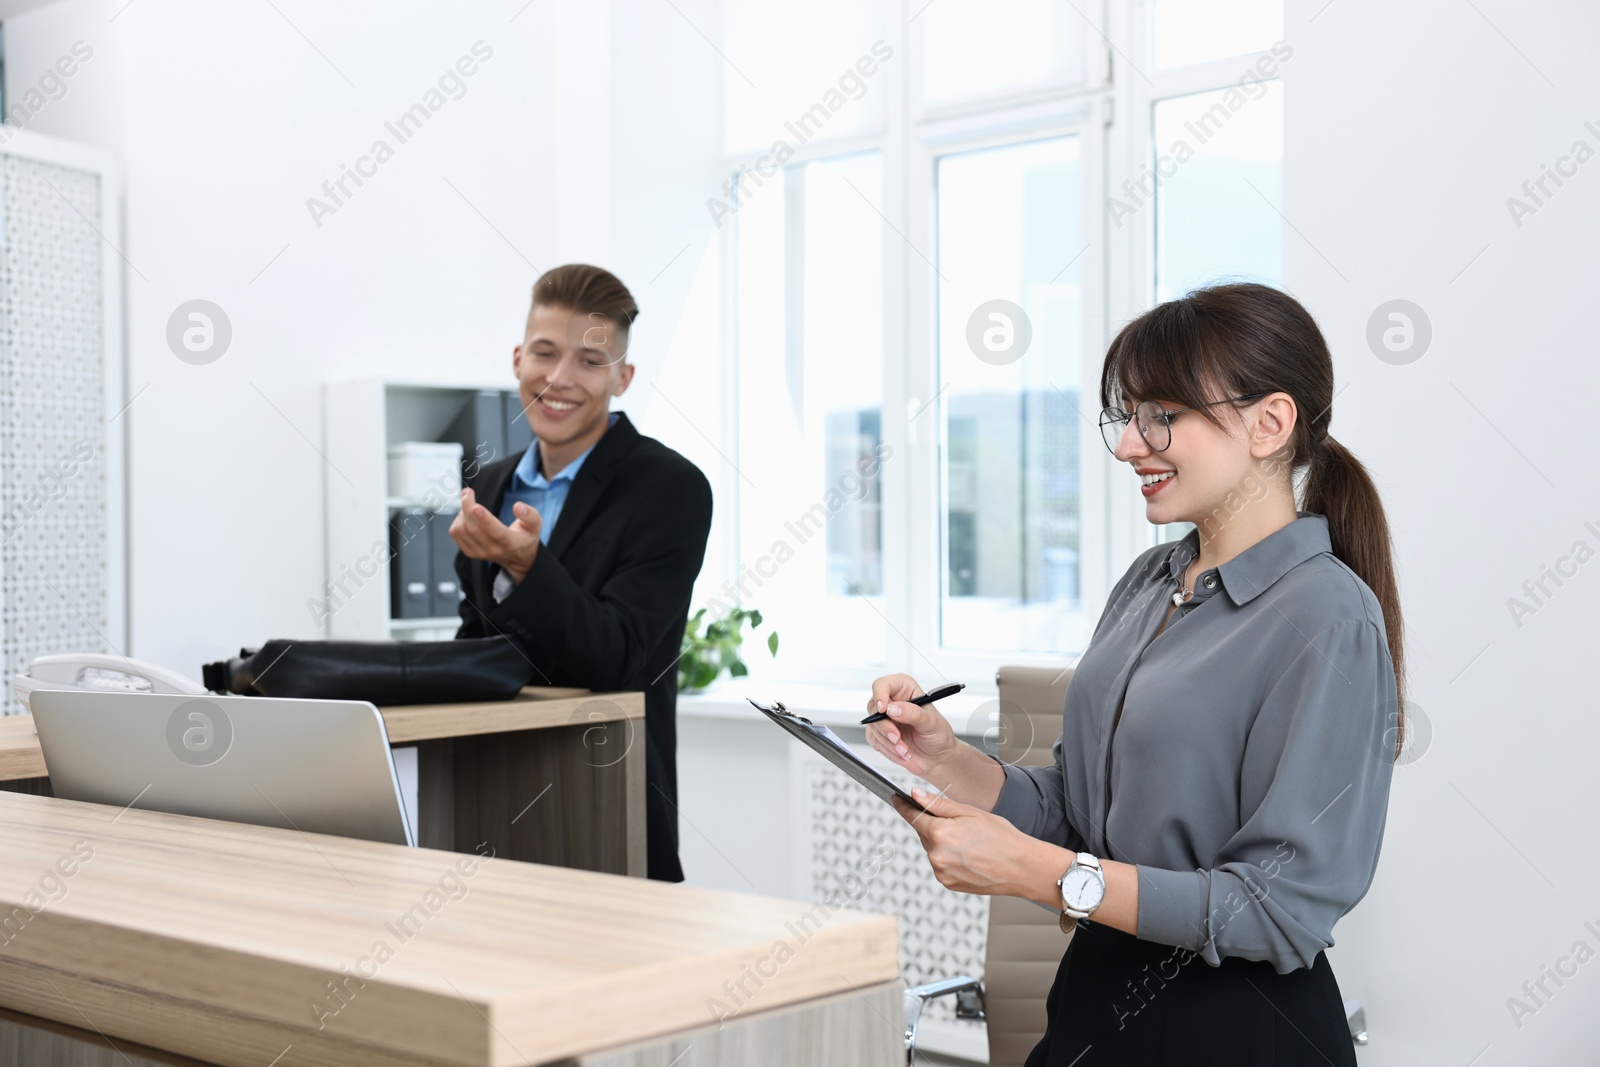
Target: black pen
<point>922,701</point>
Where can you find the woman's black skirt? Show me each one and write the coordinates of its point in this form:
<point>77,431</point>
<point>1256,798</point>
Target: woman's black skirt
<point>1119,1000</point>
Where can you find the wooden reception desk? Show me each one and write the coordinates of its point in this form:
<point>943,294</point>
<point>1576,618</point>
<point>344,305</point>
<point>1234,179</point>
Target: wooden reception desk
<point>553,776</point>
<point>134,937</point>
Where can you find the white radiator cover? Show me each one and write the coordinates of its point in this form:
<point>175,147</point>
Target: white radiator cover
<point>851,846</point>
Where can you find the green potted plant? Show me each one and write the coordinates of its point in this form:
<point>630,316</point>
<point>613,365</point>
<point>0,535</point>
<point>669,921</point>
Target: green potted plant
<point>706,654</point>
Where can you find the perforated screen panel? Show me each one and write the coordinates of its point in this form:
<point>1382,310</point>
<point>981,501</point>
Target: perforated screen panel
<point>54,565</point>
<point>867,855</point>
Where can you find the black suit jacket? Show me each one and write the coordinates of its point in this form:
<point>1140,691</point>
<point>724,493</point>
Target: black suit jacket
<point>605,602</point>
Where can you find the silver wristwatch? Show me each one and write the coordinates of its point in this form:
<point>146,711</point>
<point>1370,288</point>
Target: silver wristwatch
<point>1083,887</point>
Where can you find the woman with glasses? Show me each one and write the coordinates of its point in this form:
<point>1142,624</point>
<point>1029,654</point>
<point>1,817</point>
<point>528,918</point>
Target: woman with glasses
<point>1219,790</point>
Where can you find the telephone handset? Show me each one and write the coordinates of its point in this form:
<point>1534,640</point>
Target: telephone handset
<point>100,672</point>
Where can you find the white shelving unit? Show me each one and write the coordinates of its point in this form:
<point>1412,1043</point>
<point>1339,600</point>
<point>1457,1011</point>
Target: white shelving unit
<point>361,419</point>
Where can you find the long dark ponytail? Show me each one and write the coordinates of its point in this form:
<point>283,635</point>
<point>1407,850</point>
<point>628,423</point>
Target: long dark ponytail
<point>1245,338</point>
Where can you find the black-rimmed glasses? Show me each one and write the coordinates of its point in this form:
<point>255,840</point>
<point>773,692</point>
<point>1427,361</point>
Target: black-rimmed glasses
<point>1154,422</point>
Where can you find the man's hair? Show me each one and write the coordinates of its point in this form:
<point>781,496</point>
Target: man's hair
<point>589,290</point>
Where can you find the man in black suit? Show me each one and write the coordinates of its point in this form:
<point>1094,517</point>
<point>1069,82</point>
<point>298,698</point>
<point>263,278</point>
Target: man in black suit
<point>585,548</point>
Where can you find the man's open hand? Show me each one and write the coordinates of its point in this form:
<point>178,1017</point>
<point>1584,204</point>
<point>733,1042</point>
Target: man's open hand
<point>480,534</point>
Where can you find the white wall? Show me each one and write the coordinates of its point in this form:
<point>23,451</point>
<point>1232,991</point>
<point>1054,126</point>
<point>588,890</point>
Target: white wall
<point>1408,127</point>
<point>228,119</point>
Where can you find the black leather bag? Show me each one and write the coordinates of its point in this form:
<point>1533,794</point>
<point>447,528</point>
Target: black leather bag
<point>383,672</point>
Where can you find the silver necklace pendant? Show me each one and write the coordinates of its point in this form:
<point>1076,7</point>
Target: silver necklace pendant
<point>1182,595</point>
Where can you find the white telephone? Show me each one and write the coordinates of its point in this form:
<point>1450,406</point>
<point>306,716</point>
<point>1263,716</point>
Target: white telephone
<point>93,670</point>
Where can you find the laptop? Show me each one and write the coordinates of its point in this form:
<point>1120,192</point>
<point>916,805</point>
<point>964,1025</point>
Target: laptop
<point>317,766</point>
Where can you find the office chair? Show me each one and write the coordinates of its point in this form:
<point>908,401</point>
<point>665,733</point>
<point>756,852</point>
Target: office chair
<point>1024,945</point>
<point>969,1005</point>
<point>1025,942</point>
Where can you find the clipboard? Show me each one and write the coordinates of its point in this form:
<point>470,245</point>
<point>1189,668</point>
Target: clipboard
<point>825,743</point>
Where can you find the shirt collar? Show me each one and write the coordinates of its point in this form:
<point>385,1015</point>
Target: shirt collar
<point>1253,571</point>
<point>527,471</point>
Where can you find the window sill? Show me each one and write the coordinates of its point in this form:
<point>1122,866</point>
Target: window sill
<point>825,705</point>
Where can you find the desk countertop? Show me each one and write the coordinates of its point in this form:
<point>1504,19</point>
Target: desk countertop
<point>228,942</point>
<point>535,709</point>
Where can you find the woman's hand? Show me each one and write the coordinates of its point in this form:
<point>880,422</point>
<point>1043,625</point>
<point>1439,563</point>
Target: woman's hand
<point>974,851</point>
<point>918,739</point>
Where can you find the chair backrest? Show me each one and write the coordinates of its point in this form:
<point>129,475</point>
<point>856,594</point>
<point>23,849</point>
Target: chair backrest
<point>1025,943</point>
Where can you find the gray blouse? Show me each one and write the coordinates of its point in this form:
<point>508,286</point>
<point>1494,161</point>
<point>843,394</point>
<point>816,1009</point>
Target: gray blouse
<point>1249,778</point>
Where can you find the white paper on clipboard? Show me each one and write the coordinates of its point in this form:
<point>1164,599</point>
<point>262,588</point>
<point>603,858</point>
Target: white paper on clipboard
<point>827,744</point>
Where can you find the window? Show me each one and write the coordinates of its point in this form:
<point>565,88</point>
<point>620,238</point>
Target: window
<point>1188,32</point>
<point>1214,168</point>
<point>809,318</point>
<point>791,72</point>
<point>1217,215</point>
<point>978,49</point>
<point>1008,225</point>
<point>921,294</point>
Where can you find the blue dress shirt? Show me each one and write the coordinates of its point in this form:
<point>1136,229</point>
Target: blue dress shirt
<point>547,496</point>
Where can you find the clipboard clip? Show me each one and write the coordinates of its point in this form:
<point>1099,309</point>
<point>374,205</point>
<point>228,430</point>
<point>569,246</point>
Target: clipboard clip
<point>777,708</point>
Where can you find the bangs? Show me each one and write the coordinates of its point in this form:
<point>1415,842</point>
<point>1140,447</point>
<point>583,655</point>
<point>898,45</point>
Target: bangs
<point>1170,353</point>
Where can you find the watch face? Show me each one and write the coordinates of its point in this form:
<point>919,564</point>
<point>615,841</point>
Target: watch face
<point>1083,888</point>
